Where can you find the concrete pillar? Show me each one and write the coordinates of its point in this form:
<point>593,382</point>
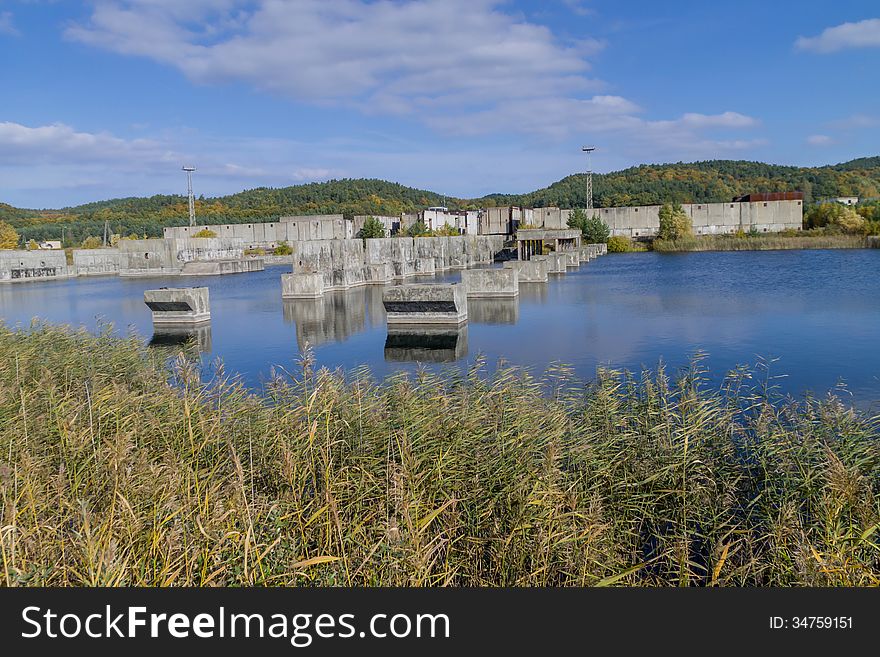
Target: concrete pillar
<point>425,304</point>
<point>178,306</point>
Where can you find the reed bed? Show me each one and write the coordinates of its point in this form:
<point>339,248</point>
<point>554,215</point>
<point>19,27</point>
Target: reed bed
<point>760,243</point>
<point>116,472</point>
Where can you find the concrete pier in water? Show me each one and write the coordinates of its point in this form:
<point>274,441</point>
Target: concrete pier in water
<point>420,305</point>
<point>178,306</point>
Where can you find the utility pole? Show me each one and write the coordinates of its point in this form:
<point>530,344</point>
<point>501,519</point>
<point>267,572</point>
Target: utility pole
<point>106,230</point>
<point>189,193</point>
<point>589,151</point>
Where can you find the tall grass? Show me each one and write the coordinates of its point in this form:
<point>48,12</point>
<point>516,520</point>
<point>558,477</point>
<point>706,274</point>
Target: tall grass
<point>760,243</point>
<point>113,475</point>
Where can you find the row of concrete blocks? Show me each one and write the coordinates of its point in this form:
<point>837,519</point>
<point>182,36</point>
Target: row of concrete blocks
<point>326,265</point>
<point>537,269</point>
<point>420,306</point>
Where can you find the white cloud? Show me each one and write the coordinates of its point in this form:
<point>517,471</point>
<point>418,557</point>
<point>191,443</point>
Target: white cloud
<point>6,25</point>
<point>59,143</point>
<point>819,140</point>
<point>857,122</point>
<point>864,34</point>
<point>462,67</point>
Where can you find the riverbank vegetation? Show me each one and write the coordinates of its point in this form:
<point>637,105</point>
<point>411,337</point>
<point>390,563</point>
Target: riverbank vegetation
<point>760,242</point>
<point>111,475</point>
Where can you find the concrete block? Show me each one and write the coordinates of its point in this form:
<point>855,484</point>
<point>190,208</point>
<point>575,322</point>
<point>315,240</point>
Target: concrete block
<point>529,271</point>
<point>557,263</point>
<point>302,286</point>
<point>502,282</point>
<point>419,304</point>
<point>379,274</point>
<point>178,306</point>
<point>221,267</point>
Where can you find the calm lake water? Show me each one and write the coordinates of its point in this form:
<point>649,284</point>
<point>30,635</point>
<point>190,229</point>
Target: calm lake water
<point>816,312</point>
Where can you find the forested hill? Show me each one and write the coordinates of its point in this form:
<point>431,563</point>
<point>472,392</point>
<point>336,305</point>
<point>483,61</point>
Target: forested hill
<point>715,180</point>
<point>707,182</point>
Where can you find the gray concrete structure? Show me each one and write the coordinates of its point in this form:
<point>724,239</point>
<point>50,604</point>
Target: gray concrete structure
<point>270,234</point>
<point>96,262</point>
<point>502,282</point>
<point>221,267</point>
<point>537,241</point>
<point>178,306</point>
<point>643,222</point>
<point>302,286</point>
<point>557,263</point>
<point>17,266</point>
<point>529,271</point>
<point>163,257</point>
<point>417,304</point>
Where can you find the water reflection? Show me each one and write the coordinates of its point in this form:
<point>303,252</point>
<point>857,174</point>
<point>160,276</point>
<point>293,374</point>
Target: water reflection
<point>426,345</point>
<point>333,318</point>
<point>171,336</point>
<point>483,310</point>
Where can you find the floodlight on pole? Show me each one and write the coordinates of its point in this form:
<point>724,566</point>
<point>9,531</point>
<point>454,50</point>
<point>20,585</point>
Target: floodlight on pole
<point>589,151</point>
<point>189,193</point>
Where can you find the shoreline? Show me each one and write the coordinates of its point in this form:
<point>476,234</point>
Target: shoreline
<point>763,243</point>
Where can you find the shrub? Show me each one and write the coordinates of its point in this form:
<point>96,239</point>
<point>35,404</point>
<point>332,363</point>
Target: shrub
<point>619,244</point>
<point>92,242</point>
<point>32,245</point>
<point>593,229</point>
<point>205,232</point>
<point>674,223</point>
<point>283,249</point>
<point>447,230</point>
<point>418,229</point>
<point>372,228</point>
<point>835,216</point>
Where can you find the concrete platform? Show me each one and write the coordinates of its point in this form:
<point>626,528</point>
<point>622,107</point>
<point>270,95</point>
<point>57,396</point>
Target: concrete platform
<point>221,267</point>
<point>502,282</point>
<point>302,286</point>
<point>178,306</point>
<point>529,271</point>
<point>425,304</point>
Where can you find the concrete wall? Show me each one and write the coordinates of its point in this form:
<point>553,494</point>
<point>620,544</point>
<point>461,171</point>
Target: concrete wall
<point>269,234</point>
<point>708,218</point>
<point>96,262</point>
<point>155,257</point>
<point>18,265</point>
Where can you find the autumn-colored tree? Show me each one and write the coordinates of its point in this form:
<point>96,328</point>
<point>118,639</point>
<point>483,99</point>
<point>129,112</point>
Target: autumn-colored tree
<point>205,232</point>
<point>8,236</point>
<point>92,242</point>
<point>674,223</point>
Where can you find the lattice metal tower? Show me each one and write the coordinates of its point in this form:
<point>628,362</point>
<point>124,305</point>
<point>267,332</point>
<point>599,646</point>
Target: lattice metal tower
<point>589,151</point>
<point>189,193</point>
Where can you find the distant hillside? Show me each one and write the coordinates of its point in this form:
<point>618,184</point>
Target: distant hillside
<point>715,180</point>
<point>711,181</point>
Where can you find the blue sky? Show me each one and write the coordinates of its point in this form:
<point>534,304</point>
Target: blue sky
<point>465,97</point>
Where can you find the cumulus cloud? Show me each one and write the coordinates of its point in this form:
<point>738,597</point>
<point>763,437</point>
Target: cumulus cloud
<point>864,34</point>
<point>819,140</point>
<point>60,143</point>
<point>6,25</point>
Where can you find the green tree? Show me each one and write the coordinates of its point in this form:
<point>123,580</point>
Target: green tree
<point>836,216</point>
<point>372,228</point>
<point>8,236</point>
<point>674,223</point>
<point>283,249</point>
<point>418,229</point>
<point>593,229</point>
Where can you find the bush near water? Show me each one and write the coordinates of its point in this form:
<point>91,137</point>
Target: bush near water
<point>115,470</point>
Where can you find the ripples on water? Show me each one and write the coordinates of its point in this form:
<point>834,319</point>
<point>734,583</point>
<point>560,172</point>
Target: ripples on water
<point>815,314</point>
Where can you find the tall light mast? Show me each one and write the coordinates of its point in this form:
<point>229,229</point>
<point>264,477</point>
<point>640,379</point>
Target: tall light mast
<point>189,193</point>
<point>589,151</point>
